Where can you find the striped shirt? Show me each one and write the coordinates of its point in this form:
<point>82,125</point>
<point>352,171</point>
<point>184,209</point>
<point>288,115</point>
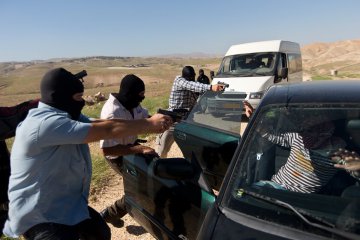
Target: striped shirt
<point>183,93</point>
<point>306,170</point>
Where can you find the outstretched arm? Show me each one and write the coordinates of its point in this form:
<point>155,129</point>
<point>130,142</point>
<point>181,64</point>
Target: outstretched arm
<point>348,160</point>
<point>248,109</point>
<point>116,128</point>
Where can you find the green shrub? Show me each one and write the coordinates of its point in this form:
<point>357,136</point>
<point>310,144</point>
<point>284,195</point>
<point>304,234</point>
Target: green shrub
<point>321,77</point>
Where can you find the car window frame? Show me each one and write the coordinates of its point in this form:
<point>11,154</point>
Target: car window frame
<point>227,193</point>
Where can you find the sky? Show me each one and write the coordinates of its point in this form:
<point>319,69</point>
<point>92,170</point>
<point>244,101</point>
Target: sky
<point>46,29</point>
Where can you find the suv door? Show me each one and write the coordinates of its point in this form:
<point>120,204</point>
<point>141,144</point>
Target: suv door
<point>209,140</point>
<point>166,208</point>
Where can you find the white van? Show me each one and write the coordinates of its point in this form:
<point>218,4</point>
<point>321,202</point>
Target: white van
<point>250,69</point>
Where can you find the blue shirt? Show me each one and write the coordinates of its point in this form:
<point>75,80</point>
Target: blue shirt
<point>50,171</point>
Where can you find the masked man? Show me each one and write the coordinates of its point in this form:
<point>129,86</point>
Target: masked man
<point>123,105</point>
<point>183,96</point>
<point>51,164</point>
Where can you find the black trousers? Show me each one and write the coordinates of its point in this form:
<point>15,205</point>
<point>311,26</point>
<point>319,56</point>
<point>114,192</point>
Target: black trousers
<point>117,210</point>
<point>94,228</point>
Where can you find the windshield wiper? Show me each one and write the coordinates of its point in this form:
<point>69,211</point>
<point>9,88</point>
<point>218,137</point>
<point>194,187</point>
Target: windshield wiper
<point>235,74</point>
<point>300,213</point>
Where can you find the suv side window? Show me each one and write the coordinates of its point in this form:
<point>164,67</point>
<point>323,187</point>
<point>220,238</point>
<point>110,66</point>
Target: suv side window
<point>206,114</point>
<point>288,159</point>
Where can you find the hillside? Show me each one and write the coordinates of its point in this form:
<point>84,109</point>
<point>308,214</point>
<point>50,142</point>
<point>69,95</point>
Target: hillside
<point>343,56</point>
<point>20,80</point>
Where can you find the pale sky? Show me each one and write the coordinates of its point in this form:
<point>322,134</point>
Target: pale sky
<point>45,29</point>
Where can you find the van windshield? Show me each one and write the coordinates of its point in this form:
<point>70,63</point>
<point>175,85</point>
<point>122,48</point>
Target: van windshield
<point>247,65</point>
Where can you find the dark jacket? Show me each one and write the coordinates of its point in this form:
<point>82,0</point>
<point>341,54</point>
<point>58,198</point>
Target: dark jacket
<point>203,79</point>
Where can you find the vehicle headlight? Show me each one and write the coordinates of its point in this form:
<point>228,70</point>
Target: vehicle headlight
<point>256,95</point>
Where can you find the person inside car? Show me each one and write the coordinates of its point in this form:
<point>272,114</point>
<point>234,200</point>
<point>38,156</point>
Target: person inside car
<point>313,151</point>
<point>123,105</point>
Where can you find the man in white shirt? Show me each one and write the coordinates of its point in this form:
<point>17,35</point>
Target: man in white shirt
<point>123,105</point>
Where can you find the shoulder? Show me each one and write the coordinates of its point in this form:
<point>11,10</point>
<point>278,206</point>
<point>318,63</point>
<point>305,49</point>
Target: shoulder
<point>141,112</point>
<point>179,79</point>
<point>112,108</point>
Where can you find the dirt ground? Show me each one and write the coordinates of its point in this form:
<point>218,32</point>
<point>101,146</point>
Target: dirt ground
<point>112,192</point>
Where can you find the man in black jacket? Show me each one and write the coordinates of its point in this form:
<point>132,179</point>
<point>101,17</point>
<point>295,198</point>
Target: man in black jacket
<point>202,78</point>
<point>10,117</point>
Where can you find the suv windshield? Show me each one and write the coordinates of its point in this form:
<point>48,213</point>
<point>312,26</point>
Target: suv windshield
<point>206,112</point>
<point>288,157</point>
<point>251,64</point>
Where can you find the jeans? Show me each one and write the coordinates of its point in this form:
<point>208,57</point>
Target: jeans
<point>94,228</point>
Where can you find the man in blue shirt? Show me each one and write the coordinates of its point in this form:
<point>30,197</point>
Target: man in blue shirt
<point>51,164</point>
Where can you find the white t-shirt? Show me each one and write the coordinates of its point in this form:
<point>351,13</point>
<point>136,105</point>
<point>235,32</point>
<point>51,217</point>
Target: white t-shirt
<point>114,109</point>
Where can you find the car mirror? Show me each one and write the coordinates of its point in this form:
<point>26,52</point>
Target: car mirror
<point>283,73</point>
<point>174,168</point>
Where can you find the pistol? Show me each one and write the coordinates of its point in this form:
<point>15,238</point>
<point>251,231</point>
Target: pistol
<point>226,85</point>
<point>81,74</point>
<point>176,116</point>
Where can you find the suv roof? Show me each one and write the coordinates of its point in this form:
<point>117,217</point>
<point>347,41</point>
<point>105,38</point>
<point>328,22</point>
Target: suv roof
<point>326,91</point>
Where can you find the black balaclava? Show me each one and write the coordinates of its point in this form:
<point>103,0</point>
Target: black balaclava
<point>188,73</point>
<point>130,87</point>
<point>57,89</point>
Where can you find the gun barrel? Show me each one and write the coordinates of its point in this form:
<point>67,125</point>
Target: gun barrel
<point>176,117</point>
<point>226,85</point>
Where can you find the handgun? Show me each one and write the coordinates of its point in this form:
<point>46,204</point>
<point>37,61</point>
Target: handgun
<point>226,85</point>
<point>138,141</point>
<point>176,116</point>
<point>81,74</point>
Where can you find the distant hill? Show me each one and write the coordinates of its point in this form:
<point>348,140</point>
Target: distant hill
<point>343,56</point>
<point>319,60</point>
<point>191,55</point>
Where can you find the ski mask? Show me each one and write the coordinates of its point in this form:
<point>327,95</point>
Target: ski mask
<point>130,87</point>
<point>57,89</point>
<point>188,73</point>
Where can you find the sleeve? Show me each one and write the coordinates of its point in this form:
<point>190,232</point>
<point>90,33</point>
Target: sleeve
<point>10,117</point>
<point>111,113</point>
<point>183,84</point>
<point>145,113</point>
<point>60,130</point>
<point>282,139</point>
